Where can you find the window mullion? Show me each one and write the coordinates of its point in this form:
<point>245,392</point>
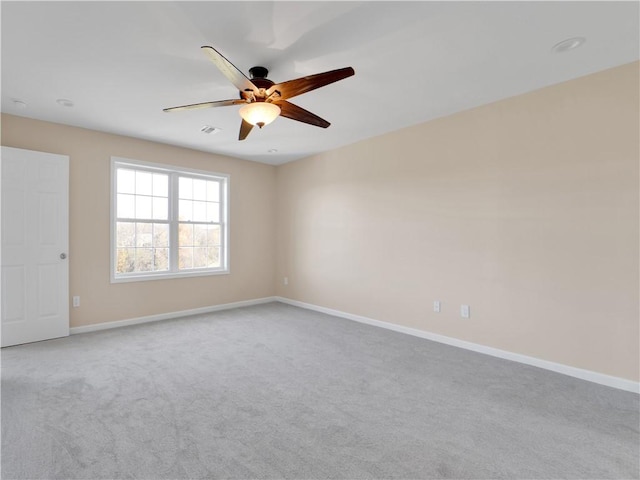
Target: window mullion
<point>173,223</point>
<point>223,198</point>
<point>221,205</point>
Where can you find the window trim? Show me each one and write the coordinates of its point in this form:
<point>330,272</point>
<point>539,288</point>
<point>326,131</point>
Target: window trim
<point>169,169</point>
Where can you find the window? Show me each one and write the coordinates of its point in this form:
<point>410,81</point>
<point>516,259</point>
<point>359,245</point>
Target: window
<point>167,221</point>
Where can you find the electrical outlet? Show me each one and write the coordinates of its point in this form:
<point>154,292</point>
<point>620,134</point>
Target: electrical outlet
<point>436,306</point>
<point>76,301</point>
<point>285,281</point>
<point>465,312</point>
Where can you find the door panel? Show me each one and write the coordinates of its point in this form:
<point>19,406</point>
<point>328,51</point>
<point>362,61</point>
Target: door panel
<point>13,289</point>
<point>35,232</point>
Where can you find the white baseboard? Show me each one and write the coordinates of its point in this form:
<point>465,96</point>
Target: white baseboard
<point>166,316</point>
<point>595,377</point>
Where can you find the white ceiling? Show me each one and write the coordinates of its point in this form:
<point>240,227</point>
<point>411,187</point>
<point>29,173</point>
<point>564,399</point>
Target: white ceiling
<point>121,63</point>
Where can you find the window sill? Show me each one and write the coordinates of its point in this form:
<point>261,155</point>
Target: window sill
<point>167,276</point>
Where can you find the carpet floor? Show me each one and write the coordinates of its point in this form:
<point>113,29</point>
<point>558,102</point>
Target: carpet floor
<point>275,391</point>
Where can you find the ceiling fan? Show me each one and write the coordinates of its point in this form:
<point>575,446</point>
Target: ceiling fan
<point>263,101</point>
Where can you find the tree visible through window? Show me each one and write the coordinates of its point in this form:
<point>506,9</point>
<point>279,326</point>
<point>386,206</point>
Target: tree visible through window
<point>142,227</point>
<point>199,229</point>
<point>167,222</point>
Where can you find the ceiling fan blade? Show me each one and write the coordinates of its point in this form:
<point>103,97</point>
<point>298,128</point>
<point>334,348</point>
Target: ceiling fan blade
<point>245,128</point>
<point>195,106</point>
<point>295,112</point>
<point>301,85</point>
<point>230,71</point>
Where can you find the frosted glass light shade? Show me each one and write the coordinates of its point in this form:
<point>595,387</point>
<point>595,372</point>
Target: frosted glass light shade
<point>259,113</point>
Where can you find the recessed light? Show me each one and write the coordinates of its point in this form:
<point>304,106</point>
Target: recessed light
<point>64,102</point>
<point>568,44</point>
<point>272,150</point>
<point>19,104</point>
<point>208,129</point>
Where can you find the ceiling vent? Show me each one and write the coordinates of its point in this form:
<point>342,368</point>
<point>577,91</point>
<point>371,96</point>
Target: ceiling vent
<point>209,130</point>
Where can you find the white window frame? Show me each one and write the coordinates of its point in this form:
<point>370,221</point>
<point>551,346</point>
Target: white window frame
<point>173,172</point>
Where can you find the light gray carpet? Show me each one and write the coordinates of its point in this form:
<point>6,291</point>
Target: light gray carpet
<point>274,391</point>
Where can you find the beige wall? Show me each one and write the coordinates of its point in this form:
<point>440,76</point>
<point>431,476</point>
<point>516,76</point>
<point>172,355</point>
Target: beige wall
<point>252,232</point>
<point>525,209</point>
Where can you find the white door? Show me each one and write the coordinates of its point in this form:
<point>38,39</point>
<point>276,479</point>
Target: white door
<point>35,242</point>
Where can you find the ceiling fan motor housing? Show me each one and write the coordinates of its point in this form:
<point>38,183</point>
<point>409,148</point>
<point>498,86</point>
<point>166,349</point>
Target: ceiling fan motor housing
<point>258,78</point>
<point>258,72</point>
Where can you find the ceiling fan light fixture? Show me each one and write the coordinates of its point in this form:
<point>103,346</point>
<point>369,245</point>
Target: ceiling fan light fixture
<point>259,113</point>
<point>262,100</point>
